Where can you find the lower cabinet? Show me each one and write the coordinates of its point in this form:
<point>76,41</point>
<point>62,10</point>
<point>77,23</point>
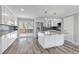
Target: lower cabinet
<point>7,40</point>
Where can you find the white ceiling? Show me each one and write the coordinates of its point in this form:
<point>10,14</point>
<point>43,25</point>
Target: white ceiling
<point>38,10</point>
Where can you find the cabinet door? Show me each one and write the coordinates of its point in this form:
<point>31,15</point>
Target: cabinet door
<point>14,20</point>
<point>52,40</point>
<point>8,39</point>
<point>14,35</point>
<point>8,17</point>
<point>4,43</point>
<point>3,14</point>
<point>0,13</point>
<point>0,45</point>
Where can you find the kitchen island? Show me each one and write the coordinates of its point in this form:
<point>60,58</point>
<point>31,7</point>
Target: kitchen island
<point>50,39</point>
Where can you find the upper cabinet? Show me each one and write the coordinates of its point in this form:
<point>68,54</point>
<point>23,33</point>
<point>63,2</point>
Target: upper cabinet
<point>8,17</point>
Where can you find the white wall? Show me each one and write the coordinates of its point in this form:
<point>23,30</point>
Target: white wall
<point>0,14</point>
<point>35,20</point>
<point>69,28</point>
<point>78,29</point>
<point>28,23</point>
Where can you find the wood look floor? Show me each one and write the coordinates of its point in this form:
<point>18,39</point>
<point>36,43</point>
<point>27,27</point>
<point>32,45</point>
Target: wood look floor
<point>30,46</point>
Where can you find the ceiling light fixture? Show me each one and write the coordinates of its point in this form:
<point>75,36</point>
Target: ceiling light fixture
<point>45,12</point>
<point>22,9</point>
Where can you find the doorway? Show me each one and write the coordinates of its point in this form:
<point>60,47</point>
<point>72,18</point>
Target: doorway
<point>26,28</point>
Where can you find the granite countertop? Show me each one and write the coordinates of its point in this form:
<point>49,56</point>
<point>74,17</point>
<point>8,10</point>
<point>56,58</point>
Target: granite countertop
<point>51,32</point>
<point>3,32</point>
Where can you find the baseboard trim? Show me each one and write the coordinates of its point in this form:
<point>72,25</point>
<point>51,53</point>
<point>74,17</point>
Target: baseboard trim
<point>75,43</point>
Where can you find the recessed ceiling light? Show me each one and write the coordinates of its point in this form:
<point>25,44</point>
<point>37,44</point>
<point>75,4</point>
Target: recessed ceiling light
<point>22,9</point>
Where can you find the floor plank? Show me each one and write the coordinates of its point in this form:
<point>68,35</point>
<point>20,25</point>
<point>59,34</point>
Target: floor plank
<point>72,48</point>
<point>30,46</point>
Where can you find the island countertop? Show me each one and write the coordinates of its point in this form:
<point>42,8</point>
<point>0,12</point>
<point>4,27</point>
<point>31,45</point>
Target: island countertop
<point>49,39</point>
<point>50,33</point>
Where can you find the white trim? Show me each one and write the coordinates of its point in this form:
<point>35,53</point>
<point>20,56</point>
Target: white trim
<point>75,43</point>
<point>70,15</point>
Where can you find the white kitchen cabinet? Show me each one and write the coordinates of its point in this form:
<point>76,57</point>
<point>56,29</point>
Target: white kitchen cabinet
<point>4,43</point>
<point>0,13</point>
<point>15,21</point>
<point>0,45</point>
<point>48,41</point>
<point>6,40</point>
<point>3,15</point>
<point>13,36</point>
<point>8,17</point>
